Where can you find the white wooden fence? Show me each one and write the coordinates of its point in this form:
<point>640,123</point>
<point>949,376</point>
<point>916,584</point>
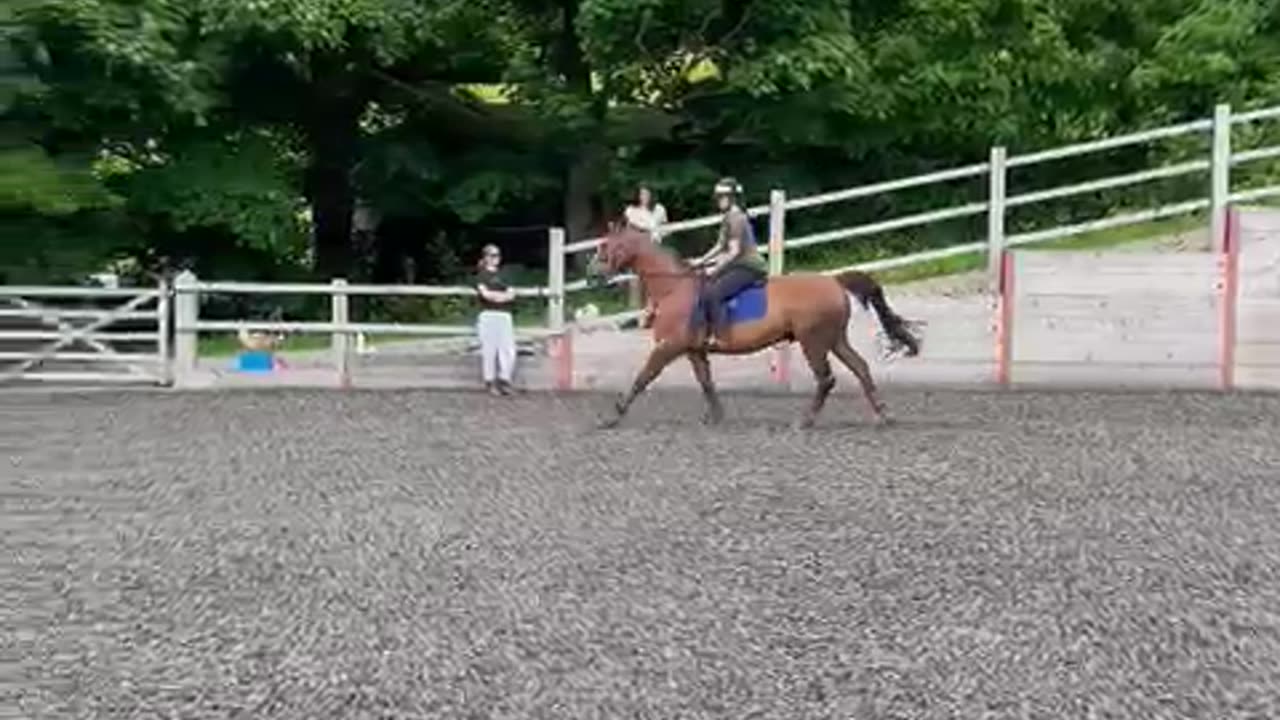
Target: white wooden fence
<point>72,335</point>
<point>1113,318</point>
<point>342,330</point>
<point>998,304</point>
<point>1219,194</point>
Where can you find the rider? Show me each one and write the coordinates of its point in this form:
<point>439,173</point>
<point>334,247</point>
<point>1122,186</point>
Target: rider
<point>736,263</point>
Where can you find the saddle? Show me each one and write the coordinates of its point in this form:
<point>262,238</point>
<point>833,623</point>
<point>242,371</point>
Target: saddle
<point>749,304</point>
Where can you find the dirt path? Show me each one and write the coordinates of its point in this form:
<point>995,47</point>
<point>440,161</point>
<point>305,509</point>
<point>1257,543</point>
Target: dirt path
<point>320,555</point>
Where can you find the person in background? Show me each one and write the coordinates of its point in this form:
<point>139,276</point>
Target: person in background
<point>648,215</point>
<point>495,325</point>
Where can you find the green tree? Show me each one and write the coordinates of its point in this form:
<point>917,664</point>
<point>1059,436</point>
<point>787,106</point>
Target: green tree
<point>266,124</point>
<point>323,71</point>
<point>184,92</point>
<point>55,214</point>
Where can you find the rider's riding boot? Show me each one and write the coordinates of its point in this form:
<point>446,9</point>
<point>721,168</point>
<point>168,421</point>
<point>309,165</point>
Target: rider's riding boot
<point>715,322</point>
<point>711,339</point>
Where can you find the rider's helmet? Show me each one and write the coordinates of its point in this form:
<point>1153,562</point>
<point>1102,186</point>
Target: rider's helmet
<point>728,186</point>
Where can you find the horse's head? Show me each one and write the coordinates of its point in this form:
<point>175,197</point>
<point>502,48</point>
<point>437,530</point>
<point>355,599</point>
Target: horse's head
<point>618,250</point>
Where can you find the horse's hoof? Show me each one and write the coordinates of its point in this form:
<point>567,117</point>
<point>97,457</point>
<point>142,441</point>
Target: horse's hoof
<point>713,417</point>
<point>885,421</point>
<point>612,421</point>
<point>804,423</point>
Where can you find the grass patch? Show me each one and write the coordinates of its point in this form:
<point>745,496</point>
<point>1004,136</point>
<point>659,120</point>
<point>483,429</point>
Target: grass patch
<point>1139,232</point>
<point>971,262</point>
<point>227,345</point>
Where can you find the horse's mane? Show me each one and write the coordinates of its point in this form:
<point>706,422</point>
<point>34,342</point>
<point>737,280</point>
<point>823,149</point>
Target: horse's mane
<point>640,243</point>
<point>680,262</point>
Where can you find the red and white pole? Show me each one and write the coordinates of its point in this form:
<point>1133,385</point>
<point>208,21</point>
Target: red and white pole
<point>1228,299</point>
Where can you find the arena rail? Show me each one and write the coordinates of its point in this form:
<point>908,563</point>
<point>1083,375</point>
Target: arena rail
<point>997,243</point>
<point>182,300</point>
<point>188,289</point>
<point>63,329</point>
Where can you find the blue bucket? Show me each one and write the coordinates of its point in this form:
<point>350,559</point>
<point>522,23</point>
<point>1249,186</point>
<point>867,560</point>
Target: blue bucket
<point>255,361</point>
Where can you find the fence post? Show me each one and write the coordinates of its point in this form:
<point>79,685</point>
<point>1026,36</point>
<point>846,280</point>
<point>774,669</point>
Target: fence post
<point>186,312</point>
<point>340,343</point>
<point>996,188</point>
<point>560,341</point>
<point>164,325</point>
<point>1229,268</point>
<point>781,365</point>
<point>1005,320</point>
<point>1220,177</point>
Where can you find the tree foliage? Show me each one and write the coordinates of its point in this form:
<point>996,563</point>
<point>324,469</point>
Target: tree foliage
<point>265,127</point>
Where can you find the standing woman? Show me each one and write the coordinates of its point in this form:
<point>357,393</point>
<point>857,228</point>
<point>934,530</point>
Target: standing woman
<point>648,215</point>
<point>645,213</point>
<point>494,325</point>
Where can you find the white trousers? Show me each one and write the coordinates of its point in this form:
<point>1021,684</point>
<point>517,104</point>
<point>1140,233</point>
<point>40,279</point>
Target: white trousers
<point>497,345</point>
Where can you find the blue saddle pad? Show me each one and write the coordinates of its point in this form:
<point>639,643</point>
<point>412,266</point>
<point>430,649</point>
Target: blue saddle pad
<point>747,306</point>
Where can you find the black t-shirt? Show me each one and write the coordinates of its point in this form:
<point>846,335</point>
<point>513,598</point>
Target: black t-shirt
<point>492,281</point>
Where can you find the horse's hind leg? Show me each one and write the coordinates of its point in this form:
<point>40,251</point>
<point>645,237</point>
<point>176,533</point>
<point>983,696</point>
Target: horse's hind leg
<point>702,371</point>
<point>659,358</point>
<point>816,349</point>
<point>858,366</point>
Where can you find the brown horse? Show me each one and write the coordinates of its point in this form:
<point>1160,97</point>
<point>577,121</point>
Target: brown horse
<point>810,309</point>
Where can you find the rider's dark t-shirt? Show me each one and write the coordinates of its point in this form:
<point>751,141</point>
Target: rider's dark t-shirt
<point>737,222</point>
<point>492,281</point>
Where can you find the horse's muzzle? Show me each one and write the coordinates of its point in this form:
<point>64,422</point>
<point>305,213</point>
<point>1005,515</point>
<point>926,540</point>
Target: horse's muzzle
<point>597,273</point>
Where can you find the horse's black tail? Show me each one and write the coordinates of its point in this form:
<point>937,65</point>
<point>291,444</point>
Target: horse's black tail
<point>869,293</point>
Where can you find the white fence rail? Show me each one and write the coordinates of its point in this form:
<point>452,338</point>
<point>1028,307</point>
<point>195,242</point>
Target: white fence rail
<point>1219,193</point>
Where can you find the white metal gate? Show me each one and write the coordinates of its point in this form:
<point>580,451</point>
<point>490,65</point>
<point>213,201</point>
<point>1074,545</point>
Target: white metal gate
<point>83,335</point>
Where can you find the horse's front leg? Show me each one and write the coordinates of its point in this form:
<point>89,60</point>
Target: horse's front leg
<point>659,358</point>
<point>647,316</point>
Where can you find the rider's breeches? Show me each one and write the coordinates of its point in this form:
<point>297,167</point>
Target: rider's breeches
<point>731,280</point>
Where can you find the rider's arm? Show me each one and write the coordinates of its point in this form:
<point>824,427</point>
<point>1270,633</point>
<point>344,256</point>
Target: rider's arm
<point>715,251</point>
<point>737,232</point>
<point>504,295</point>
